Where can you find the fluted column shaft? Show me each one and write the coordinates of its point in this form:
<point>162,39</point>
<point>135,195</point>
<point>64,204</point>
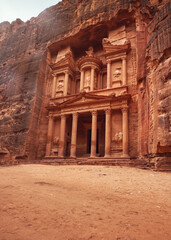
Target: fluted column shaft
<point>62,136</point>
<point>107,133</point>
<point>49,136</point>
<point>74,134</point>
<point>109,74</point>
<point>66,83</point>
<point>92,79</point>
<point>54,87</point>
<point>125,131</point>
<point>93,134</point>
<point>124,71</point>
<point>82,80</point>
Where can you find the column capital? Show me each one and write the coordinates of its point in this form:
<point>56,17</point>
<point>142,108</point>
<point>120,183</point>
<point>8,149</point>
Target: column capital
<point>108,111</point>
<point>63,115</point>
<point>66,71</point>
<point>124,109</point>
<point>124,58</point>
<point>109,61</point>
<point>50,116</point>
<point>94,113</point>
<point>75,114</point>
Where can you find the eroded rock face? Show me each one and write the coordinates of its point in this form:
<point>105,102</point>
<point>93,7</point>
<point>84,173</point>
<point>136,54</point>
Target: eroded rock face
<point>25,75</point>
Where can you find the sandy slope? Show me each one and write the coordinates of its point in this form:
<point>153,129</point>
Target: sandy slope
<point>84,202</point>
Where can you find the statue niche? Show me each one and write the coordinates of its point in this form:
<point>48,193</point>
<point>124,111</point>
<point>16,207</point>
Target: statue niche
<point>87,81</point>
<point>116,74</point>
<point>60,85</point>
<point>117,142</point>
<point>95,81</point>
<point>55,146</point>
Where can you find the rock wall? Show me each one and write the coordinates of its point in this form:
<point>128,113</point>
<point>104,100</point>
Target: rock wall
<point>24,92</point>
<point>155,91</point>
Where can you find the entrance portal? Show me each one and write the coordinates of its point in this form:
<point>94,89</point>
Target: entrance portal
<point>84,135</point>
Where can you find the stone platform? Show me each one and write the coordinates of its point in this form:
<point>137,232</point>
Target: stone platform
<point>119,161</point>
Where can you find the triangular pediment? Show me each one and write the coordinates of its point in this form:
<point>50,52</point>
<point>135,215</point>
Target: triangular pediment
<point>84,97</point>
<point>66,61</point>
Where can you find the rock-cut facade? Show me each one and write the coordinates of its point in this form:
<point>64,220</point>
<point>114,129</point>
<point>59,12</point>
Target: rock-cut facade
<point>88,82</point>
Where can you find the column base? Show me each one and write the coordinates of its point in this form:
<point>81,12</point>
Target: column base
<point>125,155</point>
<point>107,156</point>
<point>60,156</point>
<point>73,157</point>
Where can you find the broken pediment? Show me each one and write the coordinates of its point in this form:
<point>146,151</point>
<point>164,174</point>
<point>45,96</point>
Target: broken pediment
<point>114,48</point>
<point>66,61</point>
<point>62,53</point>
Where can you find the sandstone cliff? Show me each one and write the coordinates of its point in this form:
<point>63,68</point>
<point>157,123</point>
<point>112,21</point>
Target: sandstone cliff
<point>24,69</point>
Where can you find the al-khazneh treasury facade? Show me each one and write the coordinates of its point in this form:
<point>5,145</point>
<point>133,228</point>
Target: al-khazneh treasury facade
<point>89,106</point>
<point>88,82</point>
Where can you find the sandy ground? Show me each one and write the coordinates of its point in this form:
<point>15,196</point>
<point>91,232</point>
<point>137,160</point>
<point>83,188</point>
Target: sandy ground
<point>39,202</point>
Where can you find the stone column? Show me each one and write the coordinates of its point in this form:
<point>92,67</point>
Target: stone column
<point>74,134</point>
<point>124,80</point>
<point>109,74</point>
<point>92,79</point>
<point>101,80</point>
<point>82,80</point>
<point>62,136</point>
<point>54,87</point>
<point>49,136</point>
<point>125,131</point>
<point>93,134</point>
<point>98,81</point>
<point>66,83</point>
<point>107,133</point>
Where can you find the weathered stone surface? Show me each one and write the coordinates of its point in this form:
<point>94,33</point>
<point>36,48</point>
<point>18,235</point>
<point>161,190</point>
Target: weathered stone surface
<point>26,78</point>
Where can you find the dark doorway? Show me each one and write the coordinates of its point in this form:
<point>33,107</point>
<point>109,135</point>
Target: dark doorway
<point>89,141</point>
<point>97,142</point>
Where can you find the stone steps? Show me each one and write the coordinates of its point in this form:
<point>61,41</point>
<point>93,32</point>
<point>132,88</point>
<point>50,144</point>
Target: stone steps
<point>94,161</point>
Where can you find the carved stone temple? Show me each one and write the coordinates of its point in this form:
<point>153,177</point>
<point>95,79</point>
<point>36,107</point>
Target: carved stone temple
<point>87,82</point>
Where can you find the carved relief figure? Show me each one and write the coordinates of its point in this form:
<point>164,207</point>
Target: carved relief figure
<point>90,51</point>
<point>118,137</point>
<point>95,81</point>
<point>117,74</point>
<point>87,82</point>
<point>55,145</point>
<point>60,85</point>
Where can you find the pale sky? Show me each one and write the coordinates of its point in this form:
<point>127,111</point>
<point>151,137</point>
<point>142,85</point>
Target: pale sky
<point>23,9</point>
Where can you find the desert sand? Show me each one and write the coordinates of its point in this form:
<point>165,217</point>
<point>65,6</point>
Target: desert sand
<point>43,202</point>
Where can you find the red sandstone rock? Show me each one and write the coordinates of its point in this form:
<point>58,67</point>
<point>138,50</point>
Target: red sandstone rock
<point>26,76</point>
